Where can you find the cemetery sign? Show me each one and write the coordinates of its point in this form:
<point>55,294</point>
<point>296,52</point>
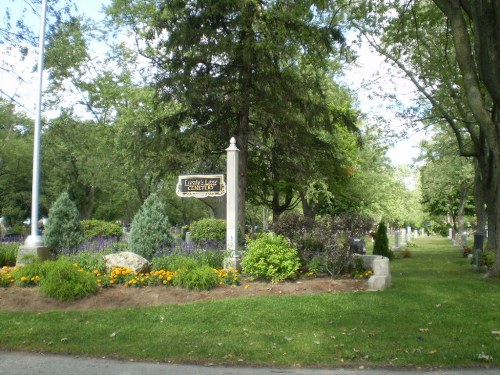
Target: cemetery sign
<point>201,186</point>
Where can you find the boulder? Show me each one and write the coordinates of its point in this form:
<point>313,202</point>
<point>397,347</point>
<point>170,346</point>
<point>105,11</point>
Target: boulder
<point>127,259</point>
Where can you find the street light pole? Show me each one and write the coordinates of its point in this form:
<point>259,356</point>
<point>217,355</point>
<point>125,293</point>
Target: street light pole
<point>35,239</point>
<point>33,247</point>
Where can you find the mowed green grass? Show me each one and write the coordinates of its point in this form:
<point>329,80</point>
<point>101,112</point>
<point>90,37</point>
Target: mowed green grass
<point>438,313</point>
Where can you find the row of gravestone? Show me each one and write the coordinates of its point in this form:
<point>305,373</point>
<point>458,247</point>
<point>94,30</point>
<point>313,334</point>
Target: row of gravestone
<point>402,237</point>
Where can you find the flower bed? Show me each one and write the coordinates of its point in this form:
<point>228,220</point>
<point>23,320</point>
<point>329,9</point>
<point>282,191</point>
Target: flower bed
<point>10,276</point>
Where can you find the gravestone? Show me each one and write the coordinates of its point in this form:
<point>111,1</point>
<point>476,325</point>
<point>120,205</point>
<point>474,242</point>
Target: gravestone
<point>396,240</point>
<point>402,237</point>
<point>463,239</point>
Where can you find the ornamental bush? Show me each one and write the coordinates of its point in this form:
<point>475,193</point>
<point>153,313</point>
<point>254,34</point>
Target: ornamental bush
<point>8,254</point>
<point>100,228</point>
<point>65,281</point>
<point>381,245</point>
<point>150,228</point>
<point>270,257</point>
<point>209,229</point>
<point>199,278</point>
<point>63,230</point>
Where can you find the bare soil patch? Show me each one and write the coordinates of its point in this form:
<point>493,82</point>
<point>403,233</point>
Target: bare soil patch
<point>29,299</point>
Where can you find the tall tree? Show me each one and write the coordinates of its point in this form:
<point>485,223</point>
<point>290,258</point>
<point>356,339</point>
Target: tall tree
<point>220,60</point>
<point>16,147</point>
<point>447,180</point>
<point>450,50</point>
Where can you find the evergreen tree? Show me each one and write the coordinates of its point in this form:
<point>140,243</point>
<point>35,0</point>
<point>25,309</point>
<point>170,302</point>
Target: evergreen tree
<point>150,228</point>
<point>381,245</point>
<point>63,230</point>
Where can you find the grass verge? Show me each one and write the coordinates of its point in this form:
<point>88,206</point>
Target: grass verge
<point>438,313</point>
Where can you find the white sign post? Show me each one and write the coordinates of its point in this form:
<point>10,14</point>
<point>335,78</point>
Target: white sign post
<point>232,206</point>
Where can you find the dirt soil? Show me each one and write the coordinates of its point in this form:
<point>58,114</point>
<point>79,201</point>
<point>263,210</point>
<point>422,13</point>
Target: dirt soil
<point>29,299</point>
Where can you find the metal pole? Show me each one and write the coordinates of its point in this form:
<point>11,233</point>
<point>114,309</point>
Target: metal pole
<point>35,239</point>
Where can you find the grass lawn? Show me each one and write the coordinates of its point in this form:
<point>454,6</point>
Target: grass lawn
<point>438,313</point>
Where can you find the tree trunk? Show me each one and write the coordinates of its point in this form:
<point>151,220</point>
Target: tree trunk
<point>307,208</point>
<point>491,187</point>
<point>482,87</point>
<point>461,208</point>
<point>88,204</point>
<point>217,205</point>
<point>479,201</point>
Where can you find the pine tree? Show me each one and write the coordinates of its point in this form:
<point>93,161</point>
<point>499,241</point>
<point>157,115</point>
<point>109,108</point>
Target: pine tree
<point>63,230</point>
<point>150,228</point>
<point>381,245</point>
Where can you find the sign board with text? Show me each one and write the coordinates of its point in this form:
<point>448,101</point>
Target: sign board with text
<point>201,186</point>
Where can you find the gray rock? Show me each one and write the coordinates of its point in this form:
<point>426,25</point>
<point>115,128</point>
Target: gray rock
<point>127,259</point>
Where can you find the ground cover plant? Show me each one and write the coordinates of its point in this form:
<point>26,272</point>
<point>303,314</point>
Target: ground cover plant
<point>438,313</point>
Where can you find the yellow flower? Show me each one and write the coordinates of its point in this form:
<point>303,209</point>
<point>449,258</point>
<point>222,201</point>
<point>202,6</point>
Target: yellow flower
<point>24,279</point>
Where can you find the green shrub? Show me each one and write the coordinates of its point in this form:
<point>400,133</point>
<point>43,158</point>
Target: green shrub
<point>63,230</point>
<point>100,228</point>
<point>208,229</point>
<point>213,258</point>
<point>489,258</point>
<point>199,278</point>
<point>315,265</point>
<point>88,260</point>
<point>381,245</point>
<point>33,272</point>
<point>270,257</point>
<point>174,262</point>
<point>150,228</point>
<point>65,282</point>
<point>8,254</point>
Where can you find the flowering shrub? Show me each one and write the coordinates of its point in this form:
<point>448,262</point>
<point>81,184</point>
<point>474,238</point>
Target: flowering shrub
<point>363,275</point>
<point>6,276</point>
<point>34,274</point>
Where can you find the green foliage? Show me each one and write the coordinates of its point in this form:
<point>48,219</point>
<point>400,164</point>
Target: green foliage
<point>270,257</point>
<point>209,229</point>
<point>324,244</point>
<point>489,258</point>
<point>33,270</point>
<point>88,260</point>
<point>174,262</point>
<point>8,254</point>
<point>100,228</point>
<point>381,245</point>
<point>16,158</point>
<point>150,228</point>
<point>315,265</point>
<point>63,230</point>
<point>198,278</point>
<point>65,281</point>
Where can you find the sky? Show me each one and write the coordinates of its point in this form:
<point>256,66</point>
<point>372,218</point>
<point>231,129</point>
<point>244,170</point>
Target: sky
<point>402,152</point>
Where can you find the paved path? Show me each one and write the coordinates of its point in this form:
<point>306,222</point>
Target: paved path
<point>14,363</point>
